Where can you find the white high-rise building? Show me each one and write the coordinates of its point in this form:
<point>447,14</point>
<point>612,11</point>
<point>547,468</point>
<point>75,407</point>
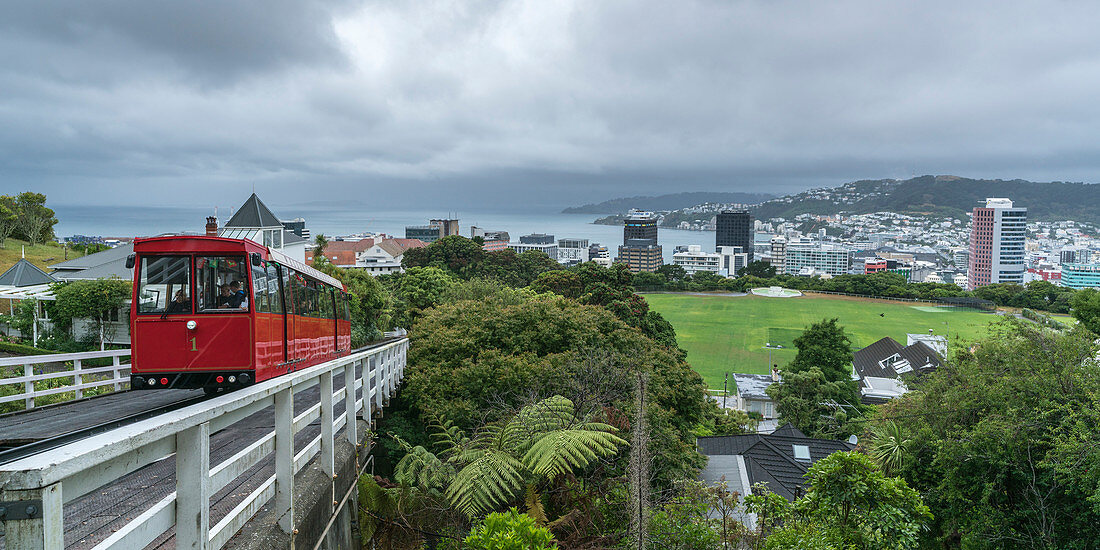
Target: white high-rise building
<point>998,233</point>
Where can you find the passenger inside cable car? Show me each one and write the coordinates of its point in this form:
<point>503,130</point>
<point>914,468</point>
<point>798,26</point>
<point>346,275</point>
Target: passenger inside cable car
<point>214,272</point>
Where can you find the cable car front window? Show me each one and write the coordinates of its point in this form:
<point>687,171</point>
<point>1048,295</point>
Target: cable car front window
<point>165,285</point>
<point>222,284</point>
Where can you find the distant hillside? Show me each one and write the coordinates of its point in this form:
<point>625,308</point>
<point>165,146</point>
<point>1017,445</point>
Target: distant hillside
<point>673,201</point>
<point>941,196</point>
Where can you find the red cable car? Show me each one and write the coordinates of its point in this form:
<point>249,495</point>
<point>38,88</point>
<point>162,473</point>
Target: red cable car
<point>217,313</point>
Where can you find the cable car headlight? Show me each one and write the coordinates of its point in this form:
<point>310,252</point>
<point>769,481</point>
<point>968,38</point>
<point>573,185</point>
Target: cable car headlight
<point>232,379</point>
<point>152,381</point>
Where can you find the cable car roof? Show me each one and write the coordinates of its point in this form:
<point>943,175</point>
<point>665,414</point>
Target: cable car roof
<point>283,259</point>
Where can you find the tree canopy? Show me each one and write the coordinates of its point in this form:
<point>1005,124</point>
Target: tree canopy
<point>1002,440</point>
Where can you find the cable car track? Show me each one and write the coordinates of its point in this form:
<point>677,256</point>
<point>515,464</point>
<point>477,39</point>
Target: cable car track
<point>43,445</point>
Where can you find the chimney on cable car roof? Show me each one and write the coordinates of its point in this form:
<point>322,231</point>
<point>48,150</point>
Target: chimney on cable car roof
<point>211,226</point>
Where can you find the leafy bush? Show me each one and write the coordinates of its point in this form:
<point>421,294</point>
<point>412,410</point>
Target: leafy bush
<point>510,530</point>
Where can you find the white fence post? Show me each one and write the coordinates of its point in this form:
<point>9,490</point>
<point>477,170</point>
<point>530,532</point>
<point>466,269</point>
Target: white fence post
<point>46,531</point>
<point>368,405</point>
<point>379,366</point>
<point>349,403</point>
<point>327,439</point>
<point>284,459</point>
<point>78,378</point>
<point>28,386</point>
<point>193,488</point>
<point>116,362</point>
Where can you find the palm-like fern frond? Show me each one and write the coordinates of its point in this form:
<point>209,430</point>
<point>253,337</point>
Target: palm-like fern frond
<point>889,447</point>
<point>449,436</point>
<point>420,468</point>
<point>487,482</point>
<point>562,451</point>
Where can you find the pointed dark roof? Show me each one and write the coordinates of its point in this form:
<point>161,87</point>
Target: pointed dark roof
<point>769,458</point>
<point>788,430</point>
<point>24,273</point>
<point>253,213</point>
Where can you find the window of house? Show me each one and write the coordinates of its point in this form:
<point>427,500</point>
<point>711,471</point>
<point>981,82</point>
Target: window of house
<point>801,452</point>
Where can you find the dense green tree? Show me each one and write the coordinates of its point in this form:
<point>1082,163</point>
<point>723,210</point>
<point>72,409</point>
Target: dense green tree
<point>645,279</point>
<point>1003,440</point>
<point>761,269</point>
<point>671,272</point>
<point>824,345</point>
<point>454,253</point>
<point>1086,308</point>
<point>34,222</point>
<point>817,406</point>
<point>468,357</point>
<point>417,289</point>
<point>9,217</point>
<point>851,504</point>
<point>565,283</point>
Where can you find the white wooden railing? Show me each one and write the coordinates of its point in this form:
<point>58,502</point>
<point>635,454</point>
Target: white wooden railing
<point>119,371</point>
<point>46,481</point>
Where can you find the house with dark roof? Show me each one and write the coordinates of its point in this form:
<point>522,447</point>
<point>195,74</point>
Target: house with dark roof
<point>779,460</point>
<point>255,221</point>
<point>881,368</point>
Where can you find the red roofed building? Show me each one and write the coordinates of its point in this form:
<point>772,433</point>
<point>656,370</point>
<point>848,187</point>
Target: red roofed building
<point>343,253</point>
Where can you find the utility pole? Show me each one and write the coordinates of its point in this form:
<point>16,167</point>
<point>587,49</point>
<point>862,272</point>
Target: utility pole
<point>725,390</point>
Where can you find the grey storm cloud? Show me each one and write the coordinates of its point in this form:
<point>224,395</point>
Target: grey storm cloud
<point>586,99</point>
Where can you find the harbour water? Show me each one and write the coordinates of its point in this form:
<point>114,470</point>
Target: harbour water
<point>333,220</point>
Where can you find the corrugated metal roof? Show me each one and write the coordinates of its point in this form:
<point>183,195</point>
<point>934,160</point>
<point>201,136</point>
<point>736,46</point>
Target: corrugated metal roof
<point>24,273</point>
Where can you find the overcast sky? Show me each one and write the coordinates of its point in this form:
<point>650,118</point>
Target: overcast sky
<point>467,103</point>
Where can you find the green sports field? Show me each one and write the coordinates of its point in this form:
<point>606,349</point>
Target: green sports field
<point>728,333</point>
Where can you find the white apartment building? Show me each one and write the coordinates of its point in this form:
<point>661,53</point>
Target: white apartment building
<point>813,257</point>
<point>733,260</point>
<point>550,250</point>
<point>573,251</point>
<point>695,260</point>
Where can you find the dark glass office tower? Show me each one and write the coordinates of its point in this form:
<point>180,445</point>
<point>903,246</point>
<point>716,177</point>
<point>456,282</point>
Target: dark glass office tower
<point>640,251</point>
<point>734,228</point>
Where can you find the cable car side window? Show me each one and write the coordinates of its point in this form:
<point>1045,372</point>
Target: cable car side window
<point>165,285</point>
<point>222,284</point>
<point>275,300</point>
<point>259,287</point>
